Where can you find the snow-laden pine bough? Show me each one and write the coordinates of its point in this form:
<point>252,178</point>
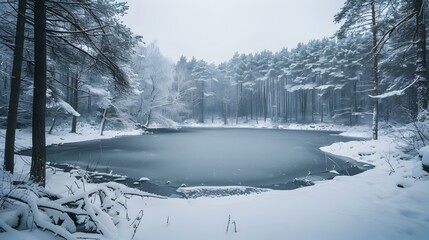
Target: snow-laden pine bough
<point>99,212</point>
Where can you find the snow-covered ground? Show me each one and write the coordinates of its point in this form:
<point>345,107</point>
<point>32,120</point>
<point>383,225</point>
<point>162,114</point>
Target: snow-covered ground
<point>387,202</point>
<point>62,134</point>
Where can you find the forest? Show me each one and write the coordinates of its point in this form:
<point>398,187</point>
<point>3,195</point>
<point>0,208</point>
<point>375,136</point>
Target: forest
<point>74,63</point>
<point>98,71</point>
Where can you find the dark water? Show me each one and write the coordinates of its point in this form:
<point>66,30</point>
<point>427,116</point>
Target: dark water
<point>212,157</point>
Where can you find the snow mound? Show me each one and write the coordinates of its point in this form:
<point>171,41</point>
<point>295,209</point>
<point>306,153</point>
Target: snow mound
<point>212,192</point>
<point>424,154</point>
<point>144,179</point>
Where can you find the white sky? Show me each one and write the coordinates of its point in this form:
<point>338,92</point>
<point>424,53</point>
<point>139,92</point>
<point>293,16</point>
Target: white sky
<point>214,30</point>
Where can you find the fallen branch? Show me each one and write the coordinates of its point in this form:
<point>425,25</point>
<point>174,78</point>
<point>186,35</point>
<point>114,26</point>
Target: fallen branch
<point>63,215</point>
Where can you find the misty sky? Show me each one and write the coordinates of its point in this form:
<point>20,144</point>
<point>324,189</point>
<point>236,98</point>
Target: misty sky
<point>214,30</point>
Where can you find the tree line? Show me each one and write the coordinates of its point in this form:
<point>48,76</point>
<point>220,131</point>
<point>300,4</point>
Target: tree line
<point>373,68</point>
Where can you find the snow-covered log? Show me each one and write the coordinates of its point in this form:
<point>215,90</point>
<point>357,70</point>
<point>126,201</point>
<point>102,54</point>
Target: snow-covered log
<point>95,211</point>
<point>424,154</point>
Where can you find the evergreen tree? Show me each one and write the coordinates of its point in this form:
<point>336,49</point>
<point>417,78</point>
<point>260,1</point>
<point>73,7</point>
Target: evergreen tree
<point>38,161</point>
<point>18,55</point>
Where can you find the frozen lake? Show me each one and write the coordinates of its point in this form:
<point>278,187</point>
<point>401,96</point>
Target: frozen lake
<point>212,157</point>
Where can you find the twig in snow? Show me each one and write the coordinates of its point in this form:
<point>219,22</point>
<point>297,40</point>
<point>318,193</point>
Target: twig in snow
<point>387,160</point>
<point>70,189</point>
<point>229,222</point>
<point>235,226</point>
<point>136,223</point>
<point>330,159</point>
<point>126,210</point>
<point>77,185</point>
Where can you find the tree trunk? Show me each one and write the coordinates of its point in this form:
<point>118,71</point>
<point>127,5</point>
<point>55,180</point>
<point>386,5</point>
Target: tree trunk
<point>225,113</point>
<point>265,106</point>
<point>12,116</point>
<point>355,108</point>
<point>3,79</point>
<point>5,69</point>
<point>304,105</point>
<point>152,101</point>
<point>422,81</point>
<point>89,101</point>
<point>251,104</point>
<point>103,121</point>
<point>313,103</point>
<point>148,118</point>
<point>38,161</point>
<point>54,120</point>
<point>296,99</point>
<point>321,111</point>
<point>258,103</point>
<point>375,72</point>
<point>237,104</point>
<point>75,102</point>
<point>68,84</point>
<point>202,102</point>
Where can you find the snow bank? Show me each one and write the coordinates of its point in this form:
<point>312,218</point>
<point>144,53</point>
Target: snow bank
<point>85,132</point>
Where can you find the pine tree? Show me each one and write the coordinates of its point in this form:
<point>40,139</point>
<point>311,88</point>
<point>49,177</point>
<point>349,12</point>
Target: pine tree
<point>38,161</point>
<point>421,71</point>
<point>354,14</point>
<point>15,87</point>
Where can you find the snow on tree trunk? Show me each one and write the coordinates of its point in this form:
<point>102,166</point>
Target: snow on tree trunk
<point>422,81</point>
<point>54,120</point>
<point>103,121</point>
<point>149,116</point>
<point>75,101</point>
<point>375,72</point>
<point>152,100</point>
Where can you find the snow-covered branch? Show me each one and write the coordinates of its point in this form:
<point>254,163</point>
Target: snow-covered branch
<point>87,214</point>
<point>394,92</point>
